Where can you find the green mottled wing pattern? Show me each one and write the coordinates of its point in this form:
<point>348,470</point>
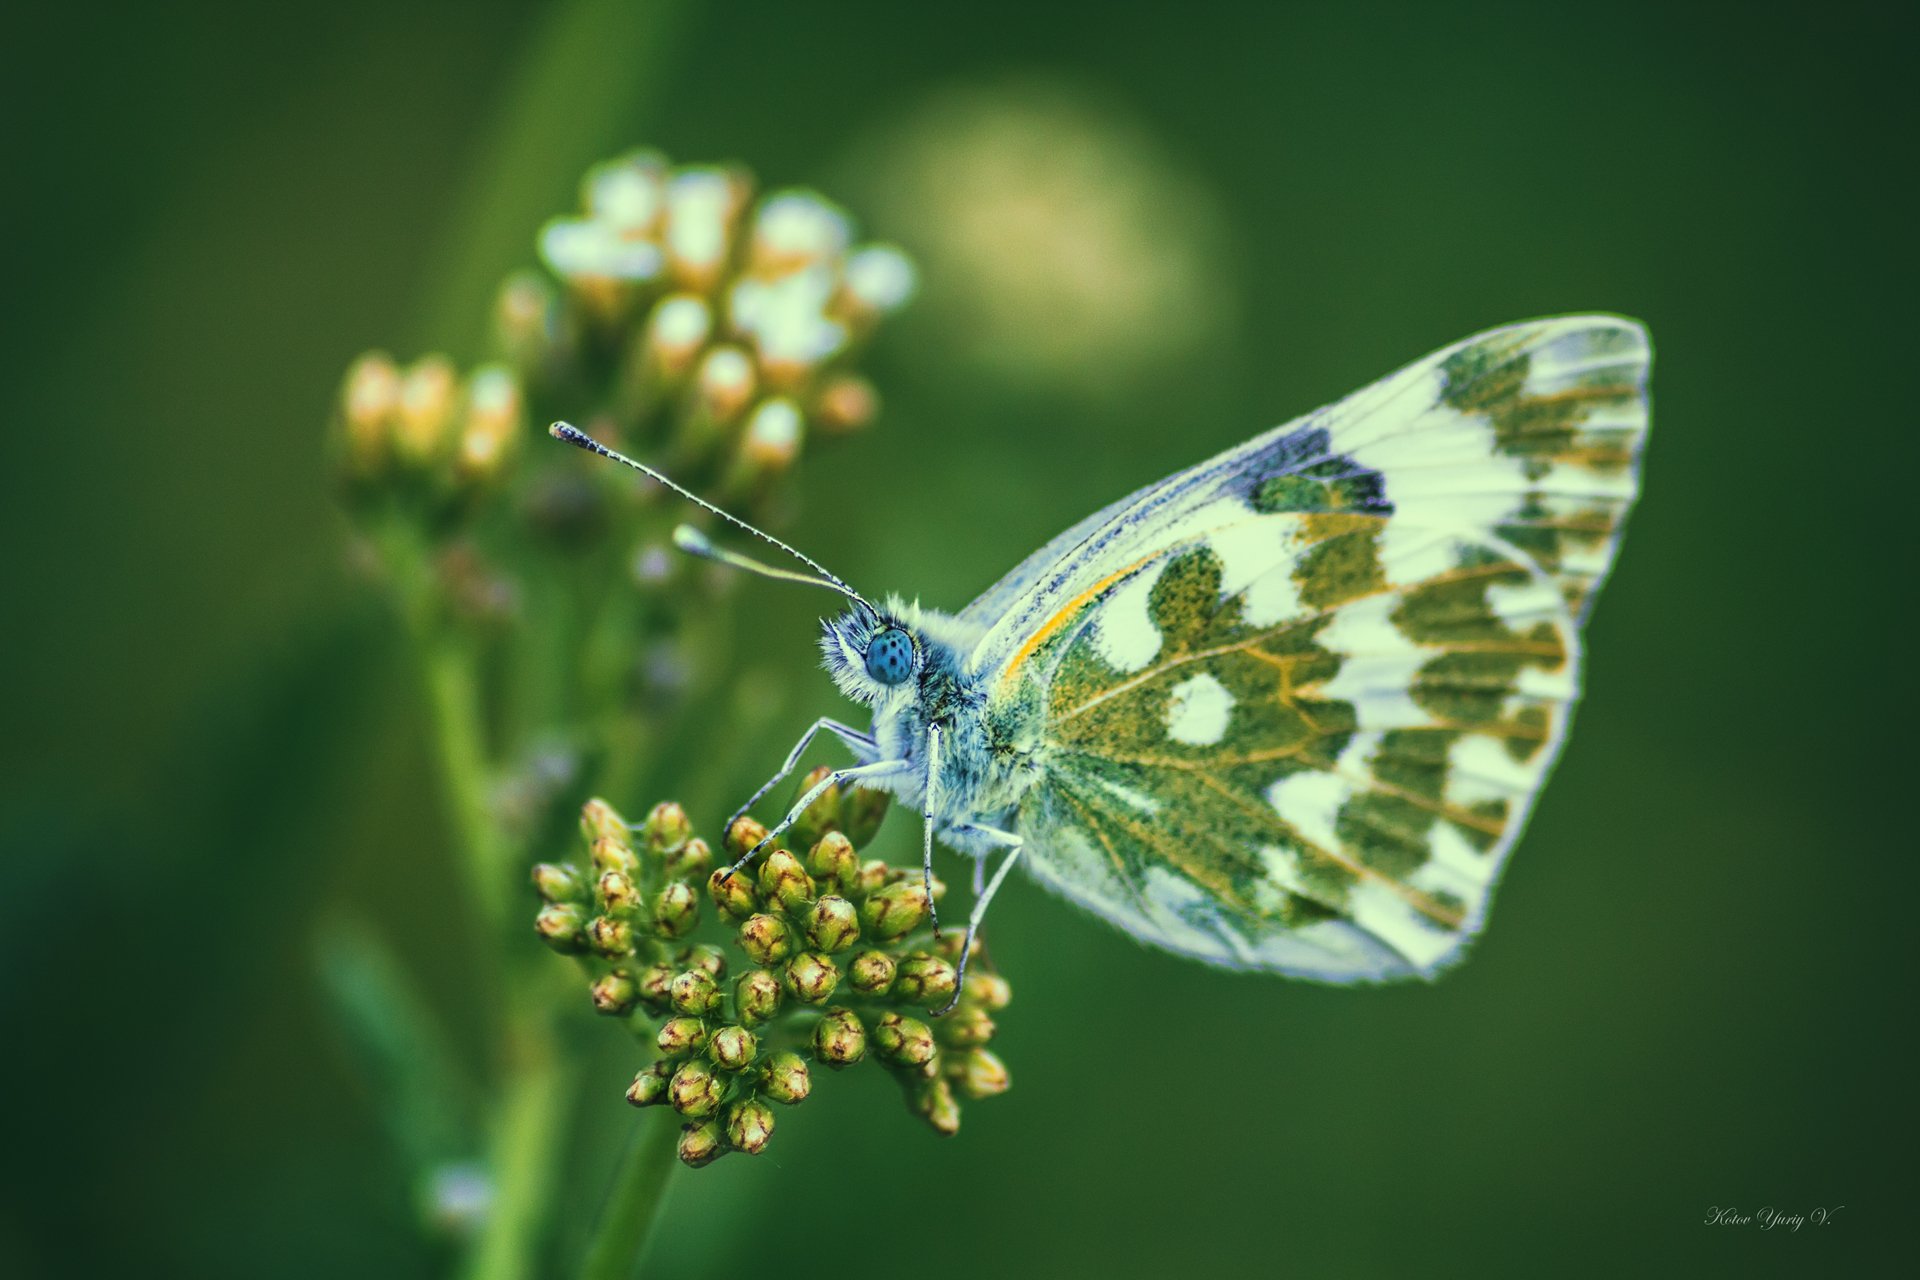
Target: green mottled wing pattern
<point>1294,716</point>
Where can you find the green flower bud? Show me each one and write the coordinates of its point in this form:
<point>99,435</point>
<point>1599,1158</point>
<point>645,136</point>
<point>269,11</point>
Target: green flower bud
<point>676,910</point>
<point>732,1048</point>
<point>838,1039</point>
<point>766,939</point>
<point>948,945</point>
<point>655,985</point>
<point>490,426</point>
<point>650,1085</point>
<point>695,1091</point>
<point>785,881</point>
<point>788,1080</point>
<point>421,433</point>
<point>907,1042</point>
<point>615,892</point>
<point>895,911</point>
<point>367,403</point>
<point>756,997</point>
<point>709,960</point>
<point>694,993</point>
<point>873,877</point>
<point>933,1101</point>
<point>722,389</point>
<point>766,448</point>
<point>823,815</point>
<point>871,973</point>
<point>666,829</point>
<point>743,835</point>
<point>681,1036</point>
<point>527,321</point>
<point>749,1126</point>
<point>556,883</point>
<point>600,821</point>
<point>702,1144</point>
<point>691,861</point>
<point>609,853</point>
<point>811,977</point>
<point>982,1074</point>
<point>988,989</point>
<point>562,926</point>
<point>733,894</point>
<point>924,976</point>
<point>834,863</point>
<point>845,404</point>
<point>614,993</point>
<point>861,811</point>
<point>965,1026</point>
<point>833,924</point>
<point>609,936</point>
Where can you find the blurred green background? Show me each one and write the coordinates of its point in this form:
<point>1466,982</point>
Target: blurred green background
<point>1696,990</point>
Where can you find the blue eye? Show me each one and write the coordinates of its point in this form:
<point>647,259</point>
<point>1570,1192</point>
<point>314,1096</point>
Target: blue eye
<point>890,656</point>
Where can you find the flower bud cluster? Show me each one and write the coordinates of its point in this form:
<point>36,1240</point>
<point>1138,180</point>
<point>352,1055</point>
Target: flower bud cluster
<point>836,966</point>
<point>678,317</point>
<point>425,429</point>
<point>725,329</point>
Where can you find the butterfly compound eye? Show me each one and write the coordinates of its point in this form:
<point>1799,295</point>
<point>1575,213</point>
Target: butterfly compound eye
<point>890,656</point>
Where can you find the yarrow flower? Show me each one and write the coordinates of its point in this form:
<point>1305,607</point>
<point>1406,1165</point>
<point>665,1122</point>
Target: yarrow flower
<point>676,316</point>
<point>563,647</point>
<point>836,966</point>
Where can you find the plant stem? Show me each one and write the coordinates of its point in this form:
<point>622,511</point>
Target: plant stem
<point>529,1114</point>
<point>454,698</point>
<point>633,1203</point>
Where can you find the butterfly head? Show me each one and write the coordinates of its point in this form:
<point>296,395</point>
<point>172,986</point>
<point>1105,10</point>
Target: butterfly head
<point>872,654</point>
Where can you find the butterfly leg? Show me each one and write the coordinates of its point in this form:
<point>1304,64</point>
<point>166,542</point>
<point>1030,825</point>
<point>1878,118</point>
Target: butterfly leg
<point>862,746</point>
<point>878,769</point>
<point>926,825</point>
<point>1013,845</point>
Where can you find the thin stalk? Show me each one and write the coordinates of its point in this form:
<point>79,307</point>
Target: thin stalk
<point>459,738</point>
<point>529,1111</point>
<point>633,1203</point>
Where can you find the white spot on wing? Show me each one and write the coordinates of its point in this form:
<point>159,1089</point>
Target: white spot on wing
<point>1309,802</point>
<point>1485,760</point>
<point>1257,557</point>
<point>1413,553</point>
<point>1522,604</point>
<point>1364,627</point>
<point>1273,597</point>
<point>1450,855</point>
<point>1198,710</point>
<point>1546,686</point>
<point>1125,636</point>
<point>1381,911</point>
<point>1380,664</point>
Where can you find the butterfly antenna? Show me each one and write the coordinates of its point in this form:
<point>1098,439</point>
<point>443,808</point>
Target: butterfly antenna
<point>693,542</point>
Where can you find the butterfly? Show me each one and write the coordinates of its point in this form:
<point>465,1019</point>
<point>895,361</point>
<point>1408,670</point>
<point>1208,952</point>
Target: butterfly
<point>1287,710</point>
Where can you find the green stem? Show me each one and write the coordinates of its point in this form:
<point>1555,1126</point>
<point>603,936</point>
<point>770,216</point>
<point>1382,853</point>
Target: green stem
<point>454,697</point>
<point>633,1204</point>
<point>530,1111</point>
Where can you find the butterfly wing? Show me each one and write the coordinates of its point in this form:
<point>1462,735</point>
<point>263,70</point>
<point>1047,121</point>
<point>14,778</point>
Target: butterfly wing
<point>1289,710</point>
<point>1531,432</point>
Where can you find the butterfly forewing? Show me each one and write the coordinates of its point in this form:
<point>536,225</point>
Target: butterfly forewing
<point>1529,432</point>
<point>1294,705</point>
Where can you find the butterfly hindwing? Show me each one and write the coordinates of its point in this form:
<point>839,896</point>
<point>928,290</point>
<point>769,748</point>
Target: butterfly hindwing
<point>1291,708</point>
<point>1312,758</point>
